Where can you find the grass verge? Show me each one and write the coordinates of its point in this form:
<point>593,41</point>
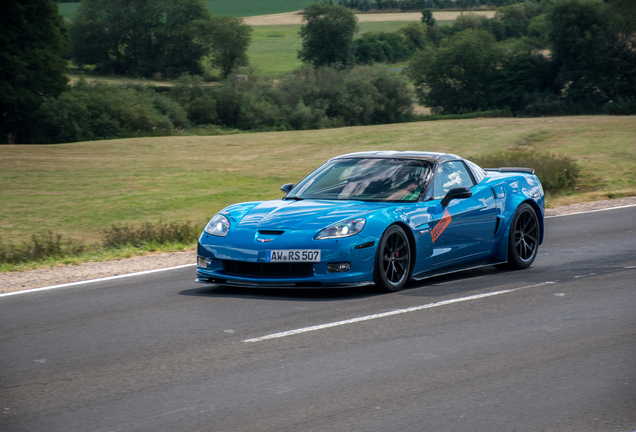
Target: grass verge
<point>118,242</point>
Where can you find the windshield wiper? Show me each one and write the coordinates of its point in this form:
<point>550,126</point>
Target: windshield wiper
<point>294,198</point>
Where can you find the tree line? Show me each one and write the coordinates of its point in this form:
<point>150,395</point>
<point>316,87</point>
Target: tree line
<point>309,98</point>
<point>549,58</point>
<point>418,5</point>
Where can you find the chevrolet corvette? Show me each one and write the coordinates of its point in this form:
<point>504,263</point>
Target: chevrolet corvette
<point>377,218</point>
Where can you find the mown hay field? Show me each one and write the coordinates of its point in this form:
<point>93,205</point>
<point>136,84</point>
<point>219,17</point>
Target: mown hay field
<point>79,189</point>
<point>274,48</point>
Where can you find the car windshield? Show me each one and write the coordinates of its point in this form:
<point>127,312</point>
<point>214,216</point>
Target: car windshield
<point>373,179</point>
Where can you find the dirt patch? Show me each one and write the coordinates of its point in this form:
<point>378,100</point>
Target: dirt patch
<point>296,17</point>
<point>17,281</point>
<point>418,109</point>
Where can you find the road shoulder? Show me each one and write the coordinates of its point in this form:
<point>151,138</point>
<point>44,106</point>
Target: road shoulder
<point>24,280</point>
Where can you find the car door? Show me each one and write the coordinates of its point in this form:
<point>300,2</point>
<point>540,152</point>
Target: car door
<point>463,231</point>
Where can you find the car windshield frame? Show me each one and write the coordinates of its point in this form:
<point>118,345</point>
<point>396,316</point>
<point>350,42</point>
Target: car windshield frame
<point>366,179</point>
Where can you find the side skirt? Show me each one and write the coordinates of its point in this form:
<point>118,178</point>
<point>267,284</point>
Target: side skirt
<point>449,270</point>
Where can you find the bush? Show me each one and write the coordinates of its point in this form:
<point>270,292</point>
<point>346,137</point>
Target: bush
<point>148,233</point>
<point>196,99</point>
<point>472,115</point>
<point>100,111</point>
<point>383,47</point>
<point>305,99</point>
<point>39,247</point>
<point>548,104</point>
<point>557,173</point>
<point>314,98</point>
<point>365,95</point>
<point>627,107</point>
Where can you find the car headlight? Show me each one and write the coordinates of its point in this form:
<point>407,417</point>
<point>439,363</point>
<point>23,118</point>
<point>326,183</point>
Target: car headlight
<point>342,229</point>
<point>218,226</point>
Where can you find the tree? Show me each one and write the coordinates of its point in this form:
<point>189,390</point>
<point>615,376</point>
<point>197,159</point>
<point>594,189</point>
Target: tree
<point>228,39</point>
<point>416,32</point>
<point>327,35</point>
<point>386,47</point>
<point>469,20</point>
<point>457,76</point>
<point>595,64</point>
<point>31,64</point>
<point>522,75</point>
<point>139,37</point>
<point>427,17</point>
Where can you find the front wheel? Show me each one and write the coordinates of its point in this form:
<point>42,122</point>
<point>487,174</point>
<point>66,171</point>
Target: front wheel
<point>523,242</point>
<point>393,260</point>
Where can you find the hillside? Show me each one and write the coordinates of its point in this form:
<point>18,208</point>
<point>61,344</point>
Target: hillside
<point>81,188</point>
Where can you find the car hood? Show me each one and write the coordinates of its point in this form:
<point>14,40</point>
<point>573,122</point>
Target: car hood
<point>305,215</point>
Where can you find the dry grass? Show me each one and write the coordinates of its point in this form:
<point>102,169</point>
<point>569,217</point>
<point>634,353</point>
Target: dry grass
<point>296,17</point>
<point>74,79</point>
<point>80,189</point>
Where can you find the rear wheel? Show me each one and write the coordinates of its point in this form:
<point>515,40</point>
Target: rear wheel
<point>523,242</point>
<point>393,260</point>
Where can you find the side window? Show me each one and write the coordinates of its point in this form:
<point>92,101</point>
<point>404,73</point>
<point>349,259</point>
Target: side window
<point>478,172</point>
<point>451,175</point>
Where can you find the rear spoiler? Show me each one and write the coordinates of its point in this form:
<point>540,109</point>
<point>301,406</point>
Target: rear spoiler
<point>511,169</point>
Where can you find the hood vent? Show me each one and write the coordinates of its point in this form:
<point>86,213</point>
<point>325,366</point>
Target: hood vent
<point>270,232</point>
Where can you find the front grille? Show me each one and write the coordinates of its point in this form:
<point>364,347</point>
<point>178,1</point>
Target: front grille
<point>270,232</point>
<point>242,268</point>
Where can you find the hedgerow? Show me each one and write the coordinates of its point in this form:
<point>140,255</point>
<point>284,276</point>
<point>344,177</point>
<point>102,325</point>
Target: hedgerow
<point>305,99</point>
<point>147,236</point>
<point>557,173</point>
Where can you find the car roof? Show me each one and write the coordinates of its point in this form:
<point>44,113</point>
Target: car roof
<point>433,157</point>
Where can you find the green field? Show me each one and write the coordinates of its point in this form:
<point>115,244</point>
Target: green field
<point>274,49</point>
<point>81,188</point>
<point>241,8</point>
<point>244,8</point>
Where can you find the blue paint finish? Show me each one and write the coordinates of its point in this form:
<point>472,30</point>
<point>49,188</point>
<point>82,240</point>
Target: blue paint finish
<point>477,230</point>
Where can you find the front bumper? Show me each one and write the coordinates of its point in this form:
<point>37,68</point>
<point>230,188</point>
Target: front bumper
<point>243,247</point>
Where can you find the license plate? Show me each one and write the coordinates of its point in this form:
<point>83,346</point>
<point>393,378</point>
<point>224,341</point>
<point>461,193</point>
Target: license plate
<point>293,255</point>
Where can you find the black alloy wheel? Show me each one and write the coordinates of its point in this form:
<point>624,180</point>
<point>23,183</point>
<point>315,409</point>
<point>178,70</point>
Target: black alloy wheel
<point>393,260</point>
<point>524,238</point>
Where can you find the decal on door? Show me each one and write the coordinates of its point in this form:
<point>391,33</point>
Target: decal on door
<point>441,225</point>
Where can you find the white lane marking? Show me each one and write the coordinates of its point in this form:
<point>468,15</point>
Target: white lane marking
<point>95,280</point>
<point>186,265</point>
<point>390,313</point>
<point>591,211</point>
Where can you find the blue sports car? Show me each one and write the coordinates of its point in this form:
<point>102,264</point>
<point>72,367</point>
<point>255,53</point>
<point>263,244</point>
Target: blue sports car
<point>377,218</point>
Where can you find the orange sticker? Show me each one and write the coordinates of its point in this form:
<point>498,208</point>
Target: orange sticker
<point>441,225</point>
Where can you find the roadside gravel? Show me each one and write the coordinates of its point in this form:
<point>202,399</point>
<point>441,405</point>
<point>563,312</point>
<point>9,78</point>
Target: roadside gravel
<point>16,281</point>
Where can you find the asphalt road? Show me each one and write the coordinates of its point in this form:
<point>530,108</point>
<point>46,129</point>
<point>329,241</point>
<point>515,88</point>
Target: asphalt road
<point>551,348</point>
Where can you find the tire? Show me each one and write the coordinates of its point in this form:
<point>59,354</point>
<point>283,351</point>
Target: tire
<point>523,240</point>
<point>393,260</point>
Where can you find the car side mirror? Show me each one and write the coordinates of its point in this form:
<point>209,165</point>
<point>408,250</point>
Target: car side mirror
<point>287,187</point>
<point>456,193</point>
